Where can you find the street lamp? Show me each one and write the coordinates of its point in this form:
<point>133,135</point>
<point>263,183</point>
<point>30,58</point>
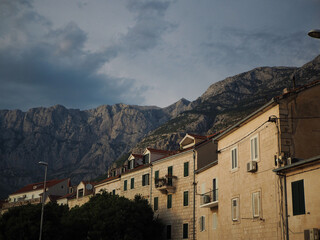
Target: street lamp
<point>315,33</point>
<point>43,196</point>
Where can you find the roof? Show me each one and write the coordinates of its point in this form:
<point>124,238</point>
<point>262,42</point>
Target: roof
<point>108,179</point>
<point>69,195</point>
<point>158,151</point>
<point>137,168</point>
<point>197,136</point>
<point>39,185</point>
<point>137,155</point>
<point>300,163</point>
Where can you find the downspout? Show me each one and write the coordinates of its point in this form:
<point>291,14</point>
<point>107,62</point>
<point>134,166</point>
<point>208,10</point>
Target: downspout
<point>194,194</point>
<point>286,205</point>
<point>151,183</point>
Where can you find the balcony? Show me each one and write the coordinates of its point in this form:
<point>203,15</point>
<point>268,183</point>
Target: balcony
<point>209,199</point>
<point>166,184</point>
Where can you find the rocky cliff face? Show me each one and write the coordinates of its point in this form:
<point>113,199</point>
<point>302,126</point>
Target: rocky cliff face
<point>81,144</point>
<point>76,144</point>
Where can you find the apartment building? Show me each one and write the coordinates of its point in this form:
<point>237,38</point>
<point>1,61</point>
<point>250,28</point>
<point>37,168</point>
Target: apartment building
<point>241,197</point>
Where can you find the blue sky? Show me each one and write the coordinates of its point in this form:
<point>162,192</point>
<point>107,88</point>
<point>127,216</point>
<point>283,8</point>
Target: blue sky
<point>86,53</point>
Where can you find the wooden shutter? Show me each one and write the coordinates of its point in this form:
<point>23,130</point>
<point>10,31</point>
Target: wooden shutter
<point>298,202</point>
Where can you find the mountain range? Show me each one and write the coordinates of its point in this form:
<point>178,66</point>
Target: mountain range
<point>82,144</point>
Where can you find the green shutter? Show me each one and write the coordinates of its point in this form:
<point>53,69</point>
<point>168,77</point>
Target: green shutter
<point>132,183</point>
<point>125,185</point>
<point>185,198</point>
<point>143,180</point>
<point>169,201</point>
<point>155,204</point>
<point>298,203</point>
<point>185,230</point>
<point>170,176</point>
<point>186,169</point>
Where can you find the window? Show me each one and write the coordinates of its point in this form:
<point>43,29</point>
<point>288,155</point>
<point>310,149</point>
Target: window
<point>214,221</point>
<point>202,223</point>
<point>185,230</point>
<point>80,193</point>
<point>168,231</point>
<point>125,185</point>
<point>131,164</point>
<point>298,203</point>
<point>145,179</point>
<point>113,192</point>
<point>234,158</point>
<point>185,198</point>
<point>132,183</point>
<point>256,204</point>
<point>170,176</point>
<point>215,190</point>
<point>156,176</point>
<point>235,209</point>
<point>156,203</point>
<point>254,148</point>
<point>146,158</point>
<point>169,201</point>
<point>186,169</point>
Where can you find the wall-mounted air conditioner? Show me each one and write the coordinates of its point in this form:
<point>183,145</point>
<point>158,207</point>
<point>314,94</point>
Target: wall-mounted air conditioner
<point>252,166</point>
<point>311,234</point>
<point>205,199</point>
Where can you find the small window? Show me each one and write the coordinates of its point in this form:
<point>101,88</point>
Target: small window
<point>156,204</point>
<point>80,193</point>
<point>186,169</point>
<point>145,179</point>
<point>298,203</point>
<point>146,159</point>
<point>214,221</point>
<point>254,146</point>
<point>234,158</point>
<point>170,172</point>
<point>132,183</point>
<point>185,198</point>
<point>113,192</point>
<point>202,223</point>
<point>168,231</point>
<point>235,209</point>
<point>185,230</point>
<point>125,185</point>
<point>156,177</point>
<point>256,204</point>
<point>131,164</point>
<point>169,201</point>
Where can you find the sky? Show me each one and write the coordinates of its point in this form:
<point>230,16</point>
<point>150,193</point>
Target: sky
<point>87,53</point>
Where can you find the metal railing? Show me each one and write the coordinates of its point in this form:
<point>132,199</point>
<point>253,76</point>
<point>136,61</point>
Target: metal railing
<point>211,196</point>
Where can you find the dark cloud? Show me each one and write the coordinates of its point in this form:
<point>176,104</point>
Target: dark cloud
<point>44,66</point>
<point>237,47</point>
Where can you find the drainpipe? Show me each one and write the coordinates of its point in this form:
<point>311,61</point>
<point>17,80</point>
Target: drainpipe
<point>194,194</point>
<point>286,205</point>
<point>151,182</point>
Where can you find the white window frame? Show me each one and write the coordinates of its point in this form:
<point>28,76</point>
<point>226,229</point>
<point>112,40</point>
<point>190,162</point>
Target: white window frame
<point>256,199</point>
<point>214,221</point>
<point>254,152</point>
<point>202,223</point>
<point>235,209</point>
<point>234,166</point>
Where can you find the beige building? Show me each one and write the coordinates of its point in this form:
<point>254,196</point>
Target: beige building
<point>240,195</point>
<point>84,191</point>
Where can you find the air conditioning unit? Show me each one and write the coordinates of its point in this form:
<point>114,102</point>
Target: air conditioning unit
<point>205,199</point>
<point>252,166</point>
<point>311,234</point>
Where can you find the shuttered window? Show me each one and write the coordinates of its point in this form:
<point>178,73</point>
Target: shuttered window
<point>145,179</point>
<point>156,203</point>
<point>214,221</point>
<point>125,185</point>
<point>256,204</point>
<point>170,176</point>
<point>132,183</point>
<point>234,158</point>
<point>298,203</point>
<point>254,148</point>
<point>185,198</point>
<point>185,230</point>
<point>202,223</point>
<point>169,201</point>
<point>235,209</point>
<point>186,169</point>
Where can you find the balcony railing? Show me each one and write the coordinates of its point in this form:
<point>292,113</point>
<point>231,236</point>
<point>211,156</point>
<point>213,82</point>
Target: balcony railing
<point>21,203</point>
<point>166,184</point>
<point>209,199</point>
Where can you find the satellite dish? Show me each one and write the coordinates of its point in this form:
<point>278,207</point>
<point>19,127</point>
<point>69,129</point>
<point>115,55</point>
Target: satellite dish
<point>89,186</point>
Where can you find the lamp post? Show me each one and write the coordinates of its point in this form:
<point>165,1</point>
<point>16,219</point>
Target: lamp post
<point>315,33</point>
<point>43,196</point>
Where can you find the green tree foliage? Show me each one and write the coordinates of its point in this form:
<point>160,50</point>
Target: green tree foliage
<point>105,216</point>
